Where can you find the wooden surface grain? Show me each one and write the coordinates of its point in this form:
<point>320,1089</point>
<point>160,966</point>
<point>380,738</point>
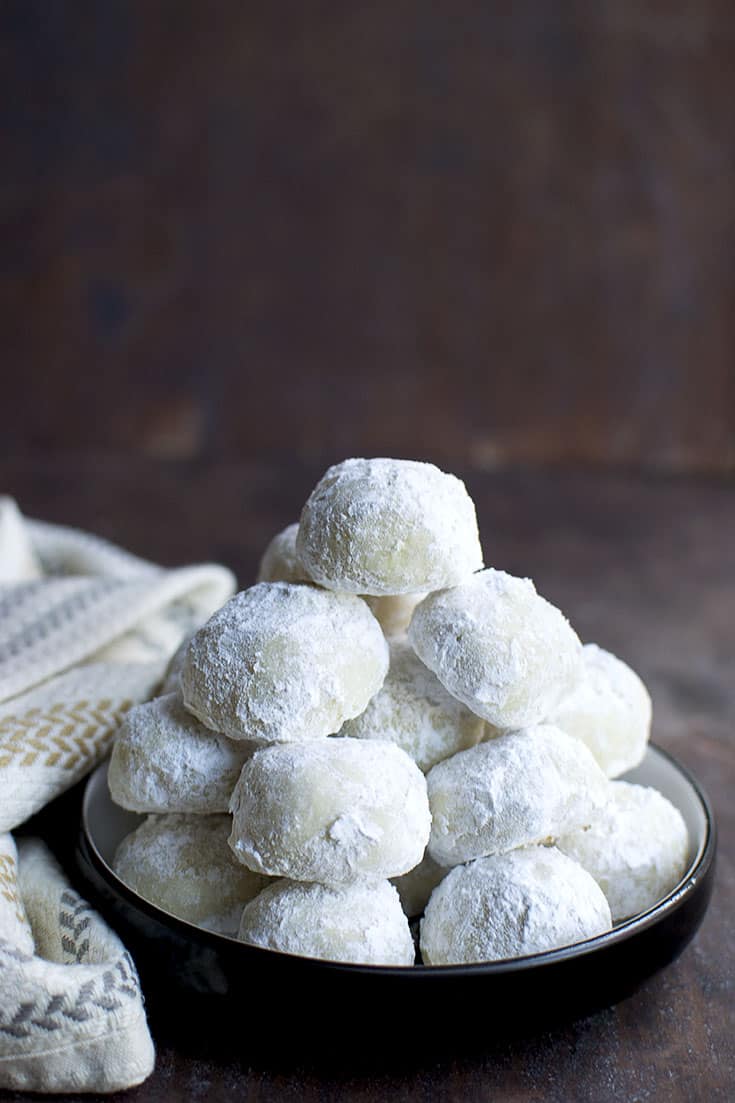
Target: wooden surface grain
<point>494,232</point>
<point>644,566</point>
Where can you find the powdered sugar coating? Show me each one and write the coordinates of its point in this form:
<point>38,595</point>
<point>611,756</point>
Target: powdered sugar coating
<point>511,905</point>
<point>637,848</point>
<point>331,810</point>
<point>499,647</point>
<point>361,922</point>
<point>164,760</point>
<point>184,865</point>
<point>284,662</point>
<point>610,710</point>
<point>383,526</point>
<point>521,788</point>
<point>416,886</point>
<point>280,563</point>
<point>394,611</point>
<point>172,675</point>
<point>414,710</point>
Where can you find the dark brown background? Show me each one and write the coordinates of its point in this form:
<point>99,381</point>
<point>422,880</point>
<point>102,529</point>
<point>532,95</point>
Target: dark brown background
<point>238,241</point>
<point>485,232</point>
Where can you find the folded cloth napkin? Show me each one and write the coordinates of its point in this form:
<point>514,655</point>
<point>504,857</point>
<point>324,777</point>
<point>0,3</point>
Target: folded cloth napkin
<point>85,632</point>
<point>71,1009</point>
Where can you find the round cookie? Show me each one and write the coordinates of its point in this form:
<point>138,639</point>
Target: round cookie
<point>382,526</point>
<point>283,662</point>
<point>499,647</point>
<point>511,905</point>
<point>331,810</point>
<point>172,675</point>
<point>184,865</point>
<point>394,611</point>
<point>416,886</point>
<point>521,788</point>
<point>163,760</point>
<point>361,922</point>
<point>636,848</point>
<point>280,562</point>
<point>610,711</point>
<point>414,710</point>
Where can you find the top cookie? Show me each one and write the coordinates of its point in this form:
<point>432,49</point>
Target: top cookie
<point>382,526</point>
<point>280,562</point>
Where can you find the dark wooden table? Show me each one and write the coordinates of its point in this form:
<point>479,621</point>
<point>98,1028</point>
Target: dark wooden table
<point>644,567</point>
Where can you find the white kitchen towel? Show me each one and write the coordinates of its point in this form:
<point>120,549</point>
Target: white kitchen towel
<point>71,1013</point>
<point>54,734</point>
<point>89,595</point>
<point>86,630</point>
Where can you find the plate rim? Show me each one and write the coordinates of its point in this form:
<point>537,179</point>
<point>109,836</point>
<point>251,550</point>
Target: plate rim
<point>696,872</point>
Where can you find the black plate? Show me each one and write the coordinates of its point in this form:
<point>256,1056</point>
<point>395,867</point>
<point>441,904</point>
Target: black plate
<point>305,995</point>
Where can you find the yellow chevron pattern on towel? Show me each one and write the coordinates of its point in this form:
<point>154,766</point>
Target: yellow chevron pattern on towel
<point>63,735</point>
<point>8,886</point>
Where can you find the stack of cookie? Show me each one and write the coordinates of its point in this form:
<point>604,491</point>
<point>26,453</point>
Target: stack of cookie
<point>378,708</point>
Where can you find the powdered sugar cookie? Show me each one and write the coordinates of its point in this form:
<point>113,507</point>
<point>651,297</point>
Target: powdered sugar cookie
<point>416,886</point>
<point>636,848</point>
<point>184,865</point>
<point>172,676</point>
<point>382,526</point>
<point>330,810</point>
<point>394,612</point>
<point>284,662</point>
<point>610,711</point>
<point>164,760</point>
<point>518,789</point>
<point>499,647</point>
<point>511,905</point>
<point>360,922</point>
<point>280,562</point>
<point>413,710</point>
